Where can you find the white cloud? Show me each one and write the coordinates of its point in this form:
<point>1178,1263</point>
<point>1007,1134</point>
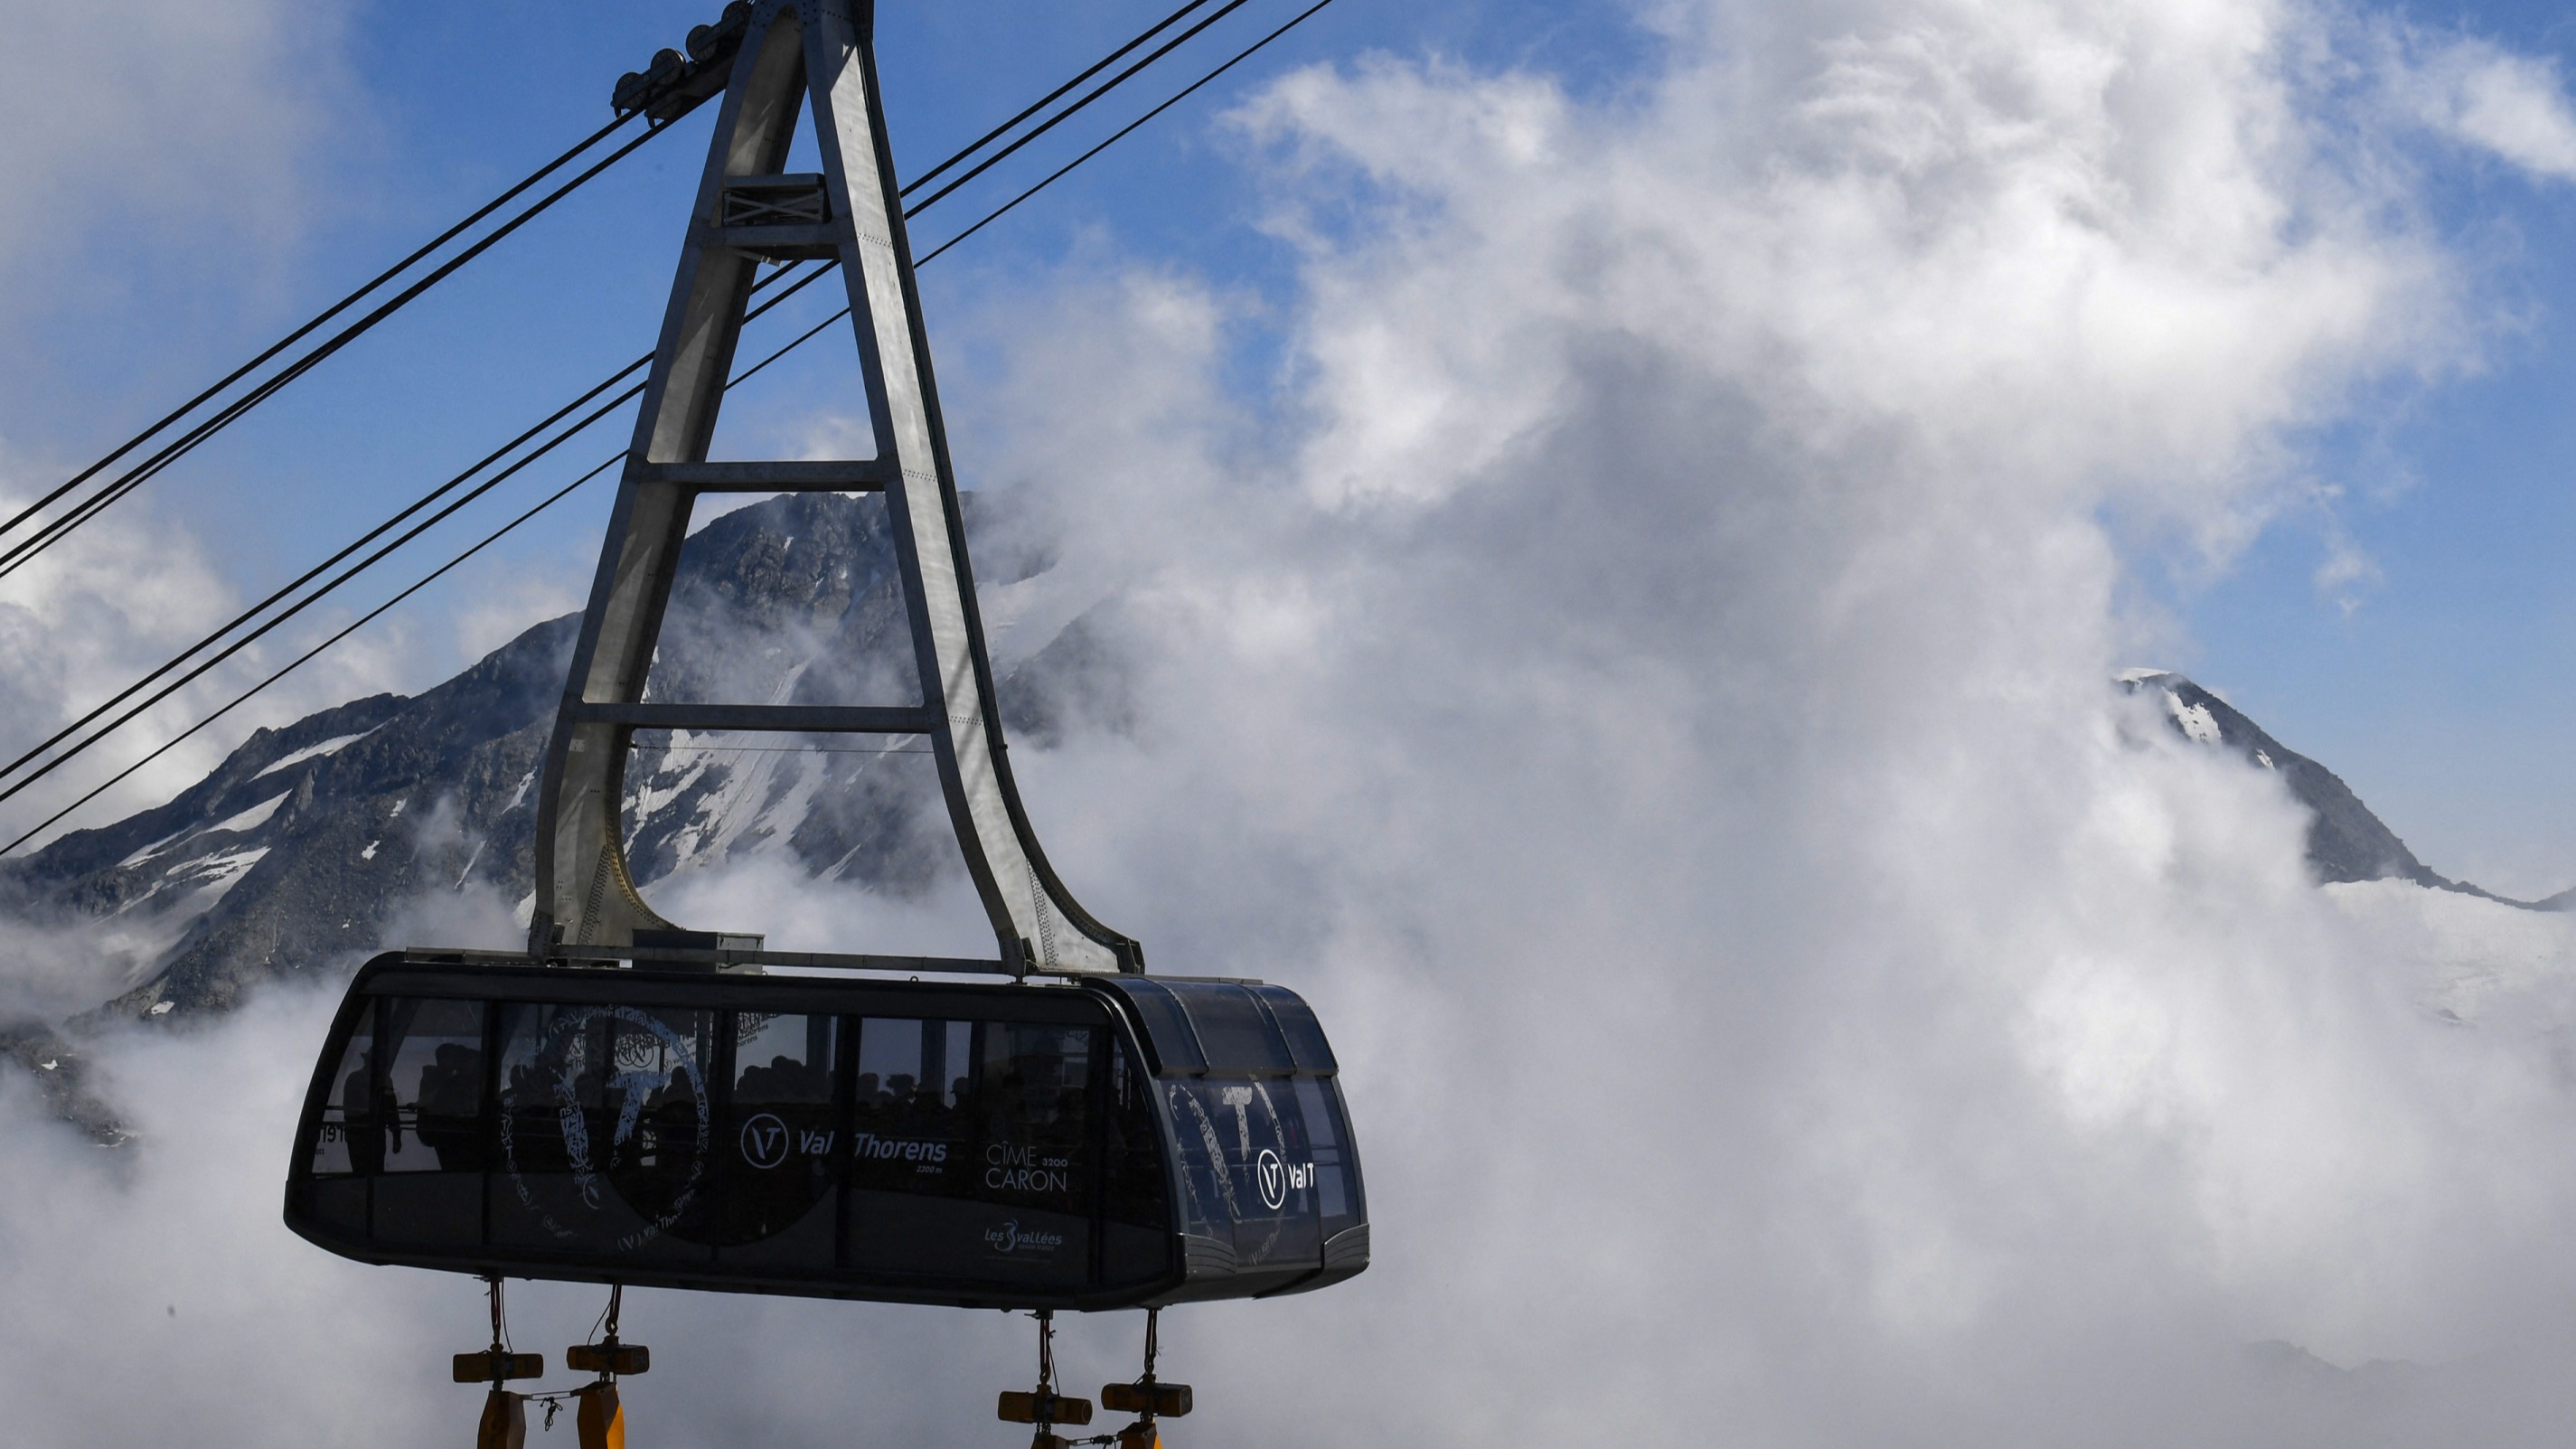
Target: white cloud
<point>2512,105</point>
<point>1669,668</point>
<point>2347,573</point>
<point>82,620</point>
<point>169,116</point>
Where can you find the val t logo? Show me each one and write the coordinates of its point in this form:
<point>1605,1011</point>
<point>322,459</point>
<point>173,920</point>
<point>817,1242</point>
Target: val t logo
<point>764,1141</point>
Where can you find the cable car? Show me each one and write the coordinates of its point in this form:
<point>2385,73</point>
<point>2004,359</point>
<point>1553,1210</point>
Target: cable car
<point>631,1102</point>
<point>1124,1141</point>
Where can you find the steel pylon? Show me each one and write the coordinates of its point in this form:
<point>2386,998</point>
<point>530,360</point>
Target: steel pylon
<point>819,53</point>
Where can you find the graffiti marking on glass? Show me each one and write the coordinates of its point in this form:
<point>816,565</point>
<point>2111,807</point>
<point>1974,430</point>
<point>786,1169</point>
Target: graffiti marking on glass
<point>1253,1175</point>
<point>1009,1237</point>
<point>1183,1097</point>
<point>635,1074</point>
<point>1240,1099</point>
<point>1020,1169</point>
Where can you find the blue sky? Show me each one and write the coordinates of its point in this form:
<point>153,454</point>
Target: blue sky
<point>2434,676</point>
<point>2440,683</point>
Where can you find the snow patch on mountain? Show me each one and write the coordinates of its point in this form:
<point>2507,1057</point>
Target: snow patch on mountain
<point>217,874</point>
<point>235,824</point>
<point>251,819</point>
<point>2195,721</point>
<point>313,752</point>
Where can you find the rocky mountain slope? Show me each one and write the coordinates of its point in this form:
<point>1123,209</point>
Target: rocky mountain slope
<point>302,847</point>
<point>2345,841</point>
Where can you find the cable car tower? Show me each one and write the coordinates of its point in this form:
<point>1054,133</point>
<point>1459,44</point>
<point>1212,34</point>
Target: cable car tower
<point>818,52</point>
<point>633,1104</point>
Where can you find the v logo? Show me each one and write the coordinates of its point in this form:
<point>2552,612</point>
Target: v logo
<point>764,1141</point>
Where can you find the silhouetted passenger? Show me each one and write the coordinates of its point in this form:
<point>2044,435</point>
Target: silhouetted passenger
<point>358,1108</point>
<point>451,1107</point>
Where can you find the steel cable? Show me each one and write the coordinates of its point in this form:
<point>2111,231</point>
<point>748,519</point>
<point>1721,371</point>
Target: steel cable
<point>1240,56</point>
<point>300,333</point>
<point>17,554</point>
<point>308,655</point>
<point>363,540</point>
<point>347,574</point>
<point>11,558</point>
<point>134,478</point>
<point>1050,98</point>
<point>379,610</point>
<point>1104,88</point>
<point>50,765</point>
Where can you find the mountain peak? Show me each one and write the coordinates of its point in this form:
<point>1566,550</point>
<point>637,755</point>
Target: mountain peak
<point>2346,842</point>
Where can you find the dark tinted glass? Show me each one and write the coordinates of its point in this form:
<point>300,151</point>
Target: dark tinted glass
<point>606,1127</point>
<point>1297,1023</point>
<point>781,1125</point>
<point>435,1079</point>
<point>1248,1171</point>
<point>348,1139</point>
<point>1233,1029</point>
<point>910,1126</point>
<point>777,1137</point>
<point>1134,1192</point>
<point>1135,1198</point>
<point>1337,1183</point>
<point>1168,1033</point>
<point>989,1181</point>
<point>1033,1093</point>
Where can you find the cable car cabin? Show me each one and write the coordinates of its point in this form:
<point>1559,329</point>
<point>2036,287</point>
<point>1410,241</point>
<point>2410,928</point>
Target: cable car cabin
<point>1130,1141</point>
